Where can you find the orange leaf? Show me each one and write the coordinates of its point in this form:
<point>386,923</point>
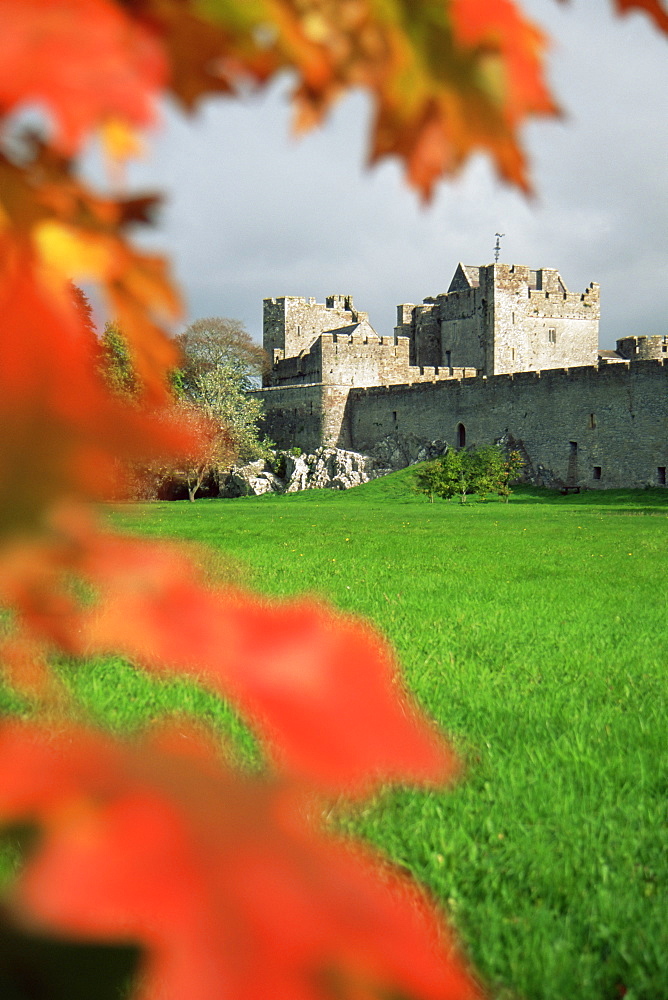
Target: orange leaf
<point>85,61</point>
<point>63,433</point>
<point>224,883</point>
<point>26,669</point>
<point>653,8</point>
<point>73,234</point>
<point>445,79</point>
<point>321,688</point>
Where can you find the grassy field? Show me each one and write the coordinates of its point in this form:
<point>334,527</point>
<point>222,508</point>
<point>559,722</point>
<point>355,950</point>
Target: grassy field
<point>535,634</point>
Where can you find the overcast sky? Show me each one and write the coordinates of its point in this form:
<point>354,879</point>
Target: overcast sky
<point>253,212</point>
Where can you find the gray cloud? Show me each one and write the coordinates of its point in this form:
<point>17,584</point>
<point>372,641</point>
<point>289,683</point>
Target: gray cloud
<point>252,212</point>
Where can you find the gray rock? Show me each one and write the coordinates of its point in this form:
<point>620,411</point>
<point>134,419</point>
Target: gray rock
<point>396,451</point>
<point>327,468</point>
<point>253,479</point>
<point>296,473</point>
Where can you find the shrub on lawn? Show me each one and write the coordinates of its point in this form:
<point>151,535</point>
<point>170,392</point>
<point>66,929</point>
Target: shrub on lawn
<point>481,471</point>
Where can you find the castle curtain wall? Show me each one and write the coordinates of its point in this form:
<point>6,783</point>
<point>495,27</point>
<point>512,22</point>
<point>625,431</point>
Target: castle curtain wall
<point>293,415</point>
<point>570,422</point>
<point>530,351</point>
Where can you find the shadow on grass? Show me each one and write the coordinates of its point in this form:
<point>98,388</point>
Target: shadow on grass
<point>649,501</point>
<point>399,488</point>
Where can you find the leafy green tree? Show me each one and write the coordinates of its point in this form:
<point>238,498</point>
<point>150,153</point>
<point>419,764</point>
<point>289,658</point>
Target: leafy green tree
<point>221,363</point>
<point>84,309</point>
<point>427,480</point>
<point>220,347</point>
<point>474,471</point>
<point>509,468</point>
<point>217,446</point>
<point>458,475</point>
<point>116,361</point>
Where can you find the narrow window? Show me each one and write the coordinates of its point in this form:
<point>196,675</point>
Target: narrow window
<point>394,416</point>
<point>552,335</point>
<point>512,353</point>
<point>592,421</point>
<point>447,359</point>
<point>597,472</point>
<point>461,436</point>
<point>661,475</point>
<point>573,447</point>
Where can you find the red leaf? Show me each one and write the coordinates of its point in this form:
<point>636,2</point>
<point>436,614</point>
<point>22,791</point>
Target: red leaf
<point>653,8</point>
<point>63,433</point>
<point>225,883</point>
<point>86,61</point>
<point>323,689</point>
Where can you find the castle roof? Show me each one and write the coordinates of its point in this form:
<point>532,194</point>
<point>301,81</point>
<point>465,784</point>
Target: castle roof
<point>610,356</point>
<point>466,276</point>
<point>348,331</point>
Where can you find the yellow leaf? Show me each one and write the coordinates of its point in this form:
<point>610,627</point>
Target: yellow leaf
<point>72,253</point>
<point>119,140</point>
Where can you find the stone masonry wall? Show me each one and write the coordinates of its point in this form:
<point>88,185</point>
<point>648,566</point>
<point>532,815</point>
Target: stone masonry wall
<point>601,427</point>
<point>513,319</point>
<point>466,318</point>
<point>303,412</point>
<point>543,326</point>
<point>644,348</point>
<point>305,416</point>
<point>364,358</point>
<point>291,323</point>
<point>360,358</point>
<point>294,415</point>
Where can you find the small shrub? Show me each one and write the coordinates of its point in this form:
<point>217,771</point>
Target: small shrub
<point>462,473</point>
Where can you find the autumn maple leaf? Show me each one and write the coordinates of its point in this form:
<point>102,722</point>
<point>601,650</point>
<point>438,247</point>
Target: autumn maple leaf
<point>226,884</point>
<point>655,9</point>
<point>295,669</point>
<point>85,61</point>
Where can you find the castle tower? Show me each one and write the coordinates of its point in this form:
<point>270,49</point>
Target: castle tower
<point>503,318</point>
<point>644,348</point>
<point>292,324</point>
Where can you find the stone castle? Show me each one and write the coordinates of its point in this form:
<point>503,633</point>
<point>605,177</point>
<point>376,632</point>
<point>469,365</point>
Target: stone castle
<point>506,354</point>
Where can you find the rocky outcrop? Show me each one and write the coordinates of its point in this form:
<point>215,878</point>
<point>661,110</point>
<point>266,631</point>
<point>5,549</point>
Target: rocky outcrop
<point>253,479</point>
<point>327,468</point>
<point>396,451</point>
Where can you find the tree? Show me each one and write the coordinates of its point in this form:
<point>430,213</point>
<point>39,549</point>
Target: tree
<point>220,363</point>
<point>84,309</point>
<point>217,351</point>
<point>216,444</point>
<point>116,362</point>
<point>474,471</point>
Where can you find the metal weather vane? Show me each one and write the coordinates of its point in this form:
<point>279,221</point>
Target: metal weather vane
<point>497,247</point>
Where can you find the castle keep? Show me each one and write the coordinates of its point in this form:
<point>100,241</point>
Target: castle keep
<point>507,353</point>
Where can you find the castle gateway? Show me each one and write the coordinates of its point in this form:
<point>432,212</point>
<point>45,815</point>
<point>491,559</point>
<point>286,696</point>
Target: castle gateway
<point>507,353</point>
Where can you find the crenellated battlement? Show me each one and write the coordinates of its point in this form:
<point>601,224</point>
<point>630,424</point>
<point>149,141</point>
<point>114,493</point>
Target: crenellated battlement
<point>646,348</point>
<point>508,352</point>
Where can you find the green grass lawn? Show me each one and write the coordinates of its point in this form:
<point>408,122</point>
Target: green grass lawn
<point>534,632</point>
